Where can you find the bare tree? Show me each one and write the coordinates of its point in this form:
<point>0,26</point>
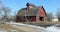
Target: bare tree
<point>49,16</point>
<point>5,12</point>
<point>14,16</point>
<point>58,14</point>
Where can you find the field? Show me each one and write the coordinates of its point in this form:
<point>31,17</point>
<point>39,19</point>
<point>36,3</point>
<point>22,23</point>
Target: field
<point>43,24</point>
<point>8,28</point>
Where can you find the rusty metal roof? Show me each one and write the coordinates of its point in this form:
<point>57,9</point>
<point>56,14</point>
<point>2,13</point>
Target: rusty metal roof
<point>29,12</point>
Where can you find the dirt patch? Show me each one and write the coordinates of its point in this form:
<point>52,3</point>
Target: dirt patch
<point>9,28</point>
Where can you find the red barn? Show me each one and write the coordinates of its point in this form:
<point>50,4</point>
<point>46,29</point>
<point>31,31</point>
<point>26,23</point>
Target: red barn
<point>31,13</point>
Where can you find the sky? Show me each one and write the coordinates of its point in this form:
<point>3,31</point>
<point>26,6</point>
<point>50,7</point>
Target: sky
<point>50,6</point>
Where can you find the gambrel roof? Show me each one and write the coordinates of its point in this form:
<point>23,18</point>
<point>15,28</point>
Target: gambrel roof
<point>29,12</point>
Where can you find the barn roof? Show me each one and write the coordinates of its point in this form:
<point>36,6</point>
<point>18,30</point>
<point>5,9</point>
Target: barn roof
<point>29,12</point>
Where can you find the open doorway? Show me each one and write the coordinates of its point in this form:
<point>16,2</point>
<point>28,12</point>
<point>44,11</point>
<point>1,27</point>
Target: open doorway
<point>41,18</point>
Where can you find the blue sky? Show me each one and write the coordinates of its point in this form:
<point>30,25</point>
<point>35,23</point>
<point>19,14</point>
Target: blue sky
<point>49,5</point>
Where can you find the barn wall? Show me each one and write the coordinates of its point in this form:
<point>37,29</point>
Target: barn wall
<point>20,19</point>
<point>32,18</point>
<point>41,12</point>
<point>37,19</point>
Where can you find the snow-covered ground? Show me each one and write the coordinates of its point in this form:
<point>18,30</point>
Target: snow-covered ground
<point>31,28</point>
<point>21,24</point>
<point>54,28</point>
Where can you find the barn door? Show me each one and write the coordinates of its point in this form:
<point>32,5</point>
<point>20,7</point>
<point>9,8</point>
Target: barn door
<point>41,18</point>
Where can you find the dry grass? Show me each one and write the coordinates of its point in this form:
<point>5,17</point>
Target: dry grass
<point>44,24</point>
<point>9,28</point>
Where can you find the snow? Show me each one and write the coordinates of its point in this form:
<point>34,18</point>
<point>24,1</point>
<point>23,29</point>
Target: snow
<point>53,28</point>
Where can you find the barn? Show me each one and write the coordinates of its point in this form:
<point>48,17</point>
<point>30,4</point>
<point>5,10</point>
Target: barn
<point>31,13</point>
